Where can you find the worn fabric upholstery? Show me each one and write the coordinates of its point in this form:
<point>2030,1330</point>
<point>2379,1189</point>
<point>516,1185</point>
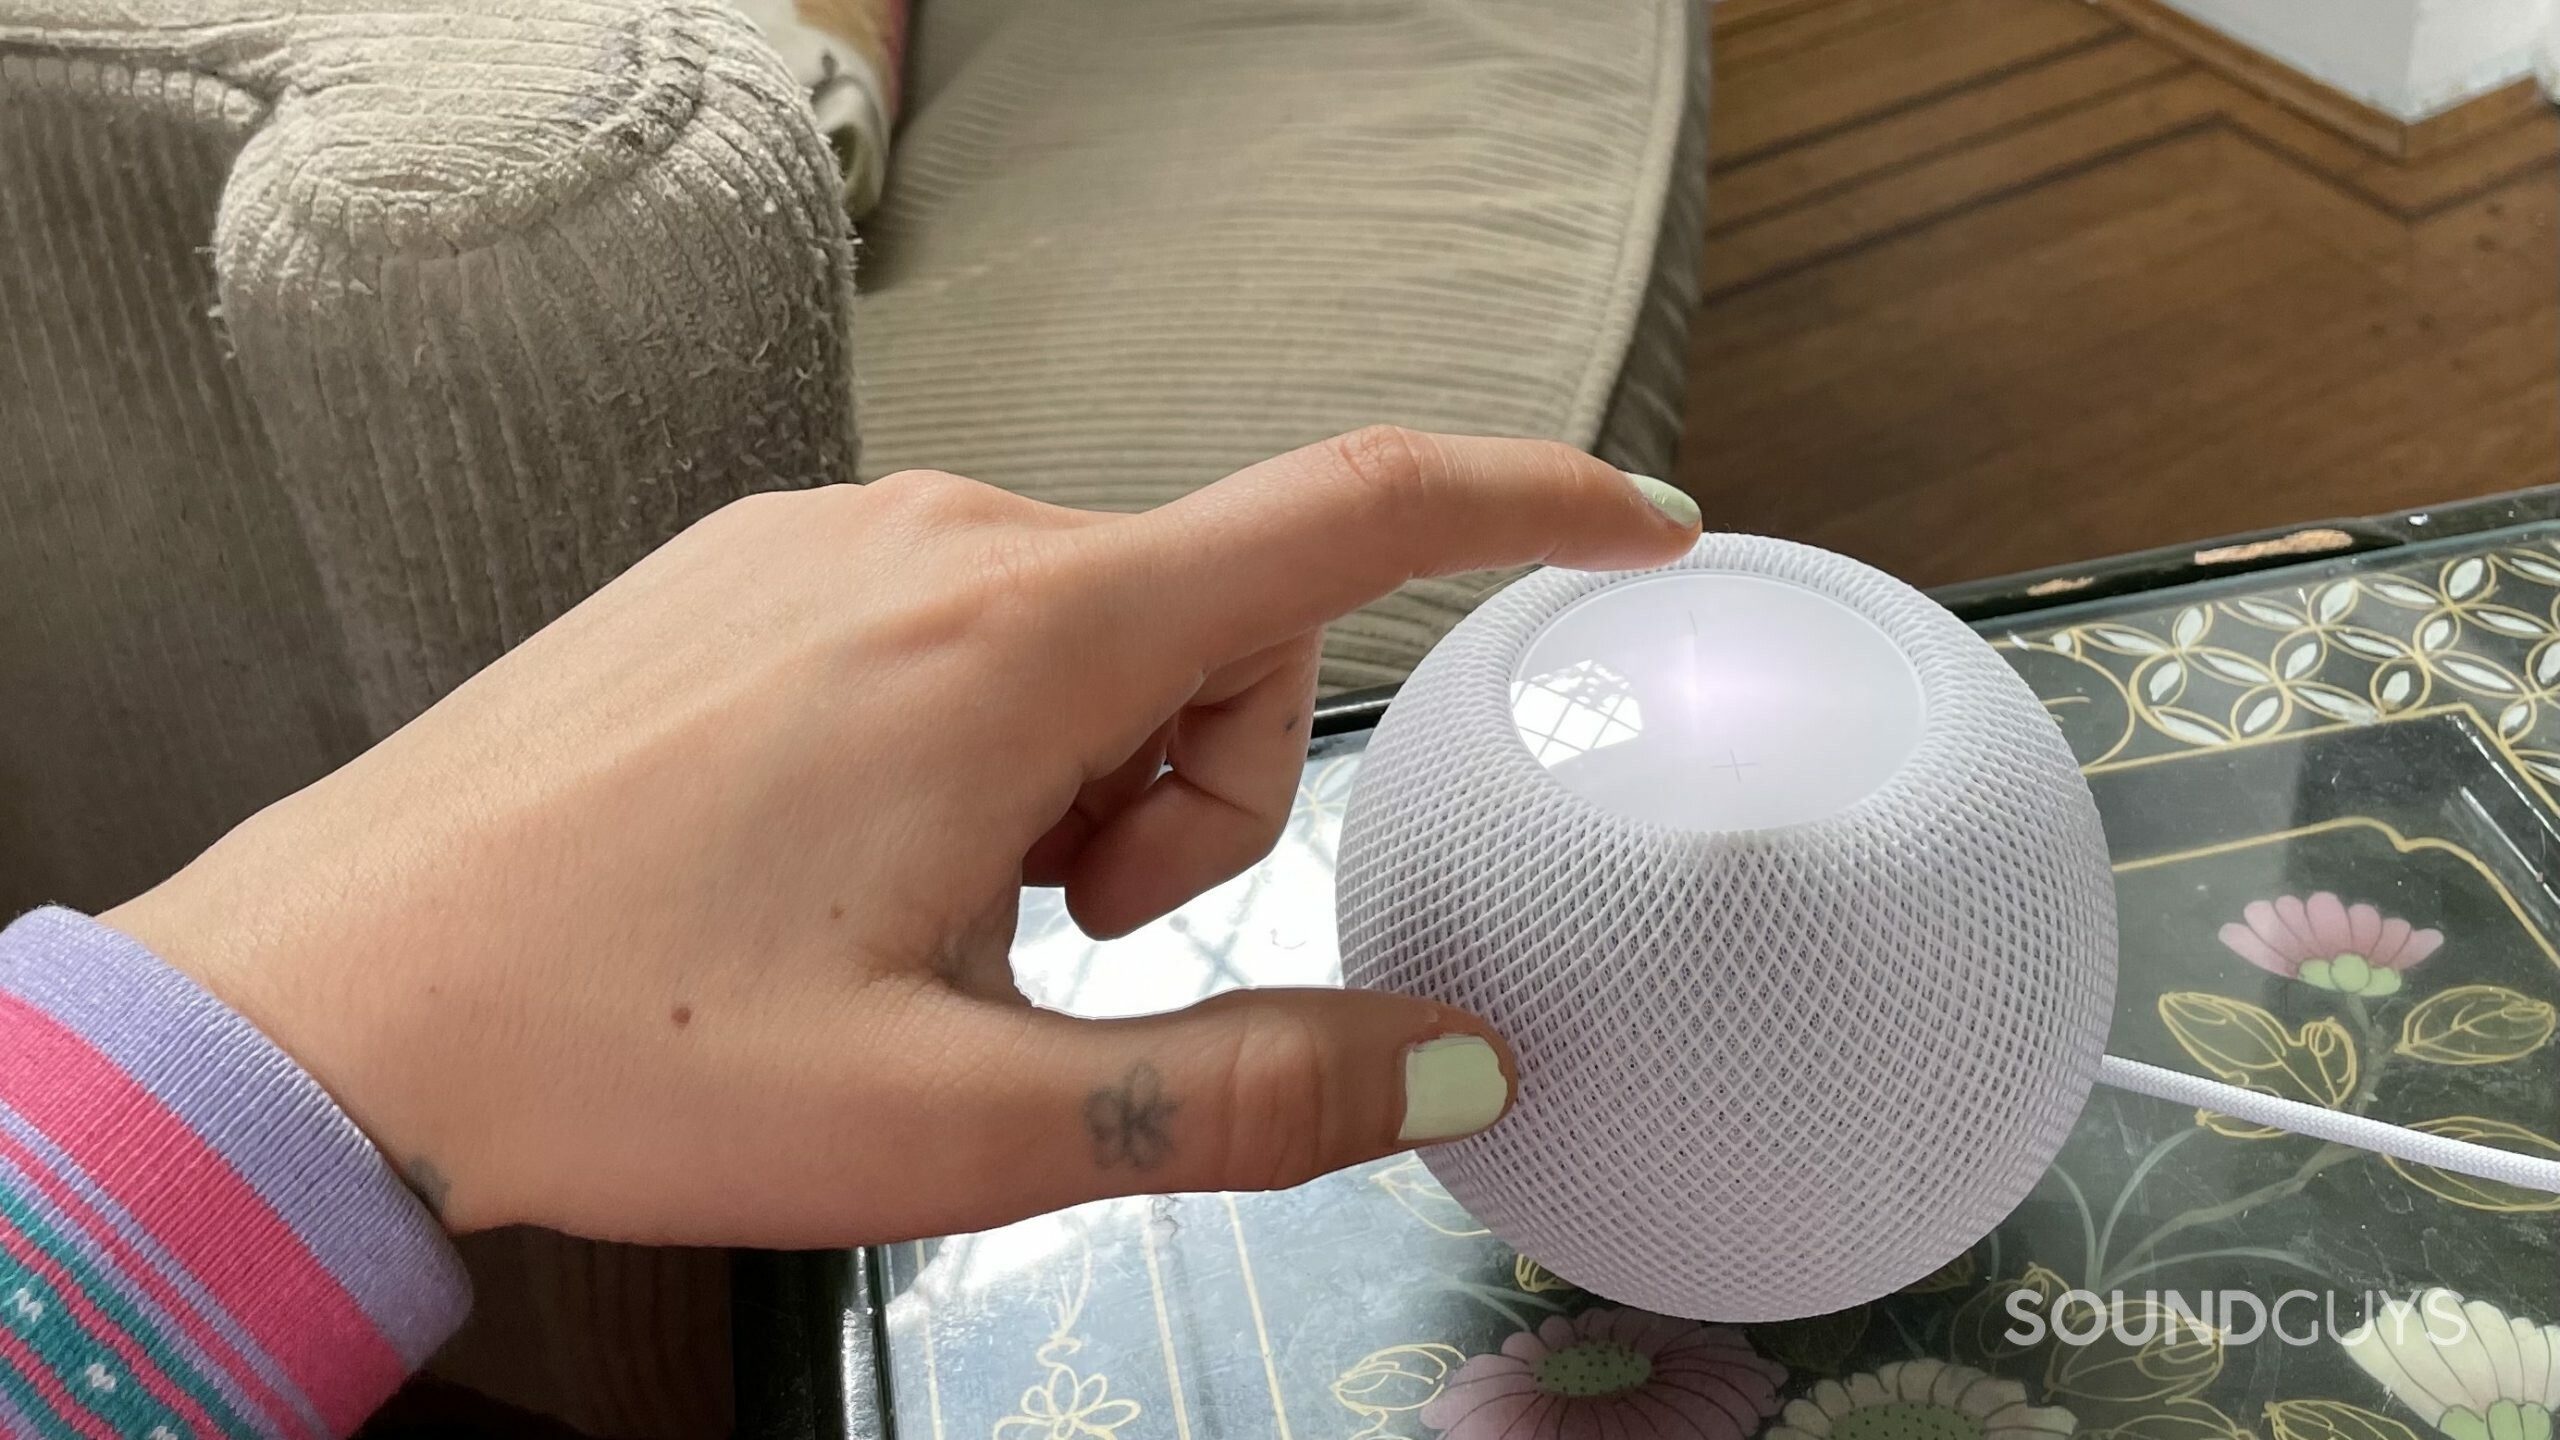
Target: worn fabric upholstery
<point>1129,247</point>
<point>346,343</point>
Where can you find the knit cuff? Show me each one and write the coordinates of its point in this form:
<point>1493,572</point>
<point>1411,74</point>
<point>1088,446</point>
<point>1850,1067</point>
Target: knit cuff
<point>186,1166</point>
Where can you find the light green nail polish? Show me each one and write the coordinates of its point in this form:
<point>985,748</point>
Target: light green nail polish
<point>1671,500</point>
<point>1453,1086</point>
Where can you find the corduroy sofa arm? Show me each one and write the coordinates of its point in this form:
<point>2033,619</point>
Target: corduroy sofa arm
<point>520,289</point>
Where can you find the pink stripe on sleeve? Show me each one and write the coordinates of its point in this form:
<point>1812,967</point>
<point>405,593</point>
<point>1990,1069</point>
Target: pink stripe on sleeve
<point>201,1212</point>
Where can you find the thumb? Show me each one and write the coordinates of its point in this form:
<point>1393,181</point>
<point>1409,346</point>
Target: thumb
<point>1251,1090</point>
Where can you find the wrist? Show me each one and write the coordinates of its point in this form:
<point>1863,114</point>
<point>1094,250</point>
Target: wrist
<point>132,1084</point>
<point>272,956</point>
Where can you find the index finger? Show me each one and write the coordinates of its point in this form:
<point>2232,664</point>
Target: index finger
<point>1282,547</point>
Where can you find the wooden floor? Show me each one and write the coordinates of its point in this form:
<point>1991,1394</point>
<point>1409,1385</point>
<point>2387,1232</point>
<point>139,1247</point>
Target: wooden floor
<point>1996,284</point>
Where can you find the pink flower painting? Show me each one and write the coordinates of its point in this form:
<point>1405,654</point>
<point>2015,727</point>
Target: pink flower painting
<point>1609,1373</point>
<point>2324,942</point>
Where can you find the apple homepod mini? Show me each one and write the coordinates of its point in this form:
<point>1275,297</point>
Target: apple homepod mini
<point>1793,905</point>
<point>1786,892</point>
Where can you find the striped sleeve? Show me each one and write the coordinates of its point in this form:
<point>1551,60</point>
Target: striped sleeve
<point>194,1239</point>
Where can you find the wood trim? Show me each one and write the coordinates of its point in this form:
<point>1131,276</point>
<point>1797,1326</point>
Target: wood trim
<point>2473,118</point>
<point>2377,130</point>
<point>1743,14</point>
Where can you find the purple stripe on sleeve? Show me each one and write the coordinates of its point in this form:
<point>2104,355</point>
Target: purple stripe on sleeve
<point>272,1122</point>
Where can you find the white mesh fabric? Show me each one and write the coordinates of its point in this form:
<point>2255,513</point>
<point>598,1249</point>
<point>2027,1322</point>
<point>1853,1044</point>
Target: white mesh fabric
<point>1764,1074</point>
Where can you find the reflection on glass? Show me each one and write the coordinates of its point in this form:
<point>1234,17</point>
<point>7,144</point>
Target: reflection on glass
<point>1583,707</point>
<point>1272,925</point>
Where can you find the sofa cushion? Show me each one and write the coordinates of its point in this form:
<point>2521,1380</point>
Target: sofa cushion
<point>1127,248</point>
<point>345,343</point>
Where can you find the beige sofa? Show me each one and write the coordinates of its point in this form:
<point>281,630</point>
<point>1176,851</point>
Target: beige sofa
<point>347,342</point>
<point>342,343</point>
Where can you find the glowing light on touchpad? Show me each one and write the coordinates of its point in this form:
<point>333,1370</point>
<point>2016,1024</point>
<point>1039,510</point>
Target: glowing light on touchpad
<point>1707,700</point>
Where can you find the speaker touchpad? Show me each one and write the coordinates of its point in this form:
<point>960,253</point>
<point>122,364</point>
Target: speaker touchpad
<point>1707,700</point>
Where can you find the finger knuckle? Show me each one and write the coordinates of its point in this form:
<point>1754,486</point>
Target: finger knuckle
<point>935,495</point>
<point>913,482</point>
<point>771,507</point>
<point>1008,577</point>
<point>1277,1100</point>
<point>1568,464</point>
<point>1386,464</point>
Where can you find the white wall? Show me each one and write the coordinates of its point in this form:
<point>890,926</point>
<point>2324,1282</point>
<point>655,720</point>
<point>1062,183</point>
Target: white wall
<point>2359,46</point>
<point>2469,47</point>
<point>2550,61</point>
<point>2411,58</point>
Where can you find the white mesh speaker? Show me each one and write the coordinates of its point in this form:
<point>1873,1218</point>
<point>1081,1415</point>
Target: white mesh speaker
<point>1796,911</point>
<point>1790,899</point>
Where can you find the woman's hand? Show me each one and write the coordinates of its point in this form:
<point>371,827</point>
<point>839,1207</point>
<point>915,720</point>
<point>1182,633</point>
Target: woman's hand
<point>687,921</point>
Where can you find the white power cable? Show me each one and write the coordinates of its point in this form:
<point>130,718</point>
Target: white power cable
<point>2462,1157</point>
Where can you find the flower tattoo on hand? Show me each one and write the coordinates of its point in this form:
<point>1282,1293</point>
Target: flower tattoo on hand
<point>1129,1120</point>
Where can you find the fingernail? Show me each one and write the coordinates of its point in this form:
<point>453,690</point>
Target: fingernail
<point>1453,1086</point>
<point>1670,499</point>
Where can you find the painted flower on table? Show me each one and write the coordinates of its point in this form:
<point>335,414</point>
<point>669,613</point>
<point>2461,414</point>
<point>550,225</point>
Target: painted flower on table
<point>1921,1400</point>
<point>2325,942</point>
<point>1611,1372</point>
<point>1068,1408</point>
<point>2465,1367</point>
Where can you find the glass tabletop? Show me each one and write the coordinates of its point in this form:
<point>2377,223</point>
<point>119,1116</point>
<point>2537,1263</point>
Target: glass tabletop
<point>2329,795</point>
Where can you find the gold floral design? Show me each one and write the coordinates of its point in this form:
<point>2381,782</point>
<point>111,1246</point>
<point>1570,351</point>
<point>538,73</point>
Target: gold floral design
<point>2360,957</point>
<point>2479,631</point>
<point>2331,1420</point>
<point>1392,1382</point>
<point>1410,1184</point>
<point>2164,667</point>
<point>1063,1404</point>
<point>2470,1191</point>
<point>1983,1324</point>
<point>2144,1352</point>
<point>2184,1418</point>
<point>2245,1046</point>
<point>1066,1407</point>
<point>1534,1278</point>
<point>2476,1025</point>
